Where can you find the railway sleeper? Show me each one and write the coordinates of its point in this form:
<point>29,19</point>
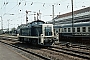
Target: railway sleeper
<point>72,53</point>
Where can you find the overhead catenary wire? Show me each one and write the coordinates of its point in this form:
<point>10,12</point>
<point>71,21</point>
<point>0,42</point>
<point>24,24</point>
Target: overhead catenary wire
<point>21,4</point>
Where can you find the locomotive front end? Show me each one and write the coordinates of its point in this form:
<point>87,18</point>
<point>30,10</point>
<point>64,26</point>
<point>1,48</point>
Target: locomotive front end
<point>47,36</point>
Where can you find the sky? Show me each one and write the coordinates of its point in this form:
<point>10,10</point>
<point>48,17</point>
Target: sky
<point>18,8</point>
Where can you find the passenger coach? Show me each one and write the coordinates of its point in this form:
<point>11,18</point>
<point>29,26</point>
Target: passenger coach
<point>81,32</point>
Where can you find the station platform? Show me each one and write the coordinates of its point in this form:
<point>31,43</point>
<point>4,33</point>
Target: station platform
<point>8,54</point>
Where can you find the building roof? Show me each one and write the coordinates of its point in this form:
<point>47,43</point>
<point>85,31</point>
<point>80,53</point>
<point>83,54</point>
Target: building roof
<point>75,12</point>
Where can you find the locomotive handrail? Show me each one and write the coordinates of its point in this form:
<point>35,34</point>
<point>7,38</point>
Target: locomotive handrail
<point>30,36</point>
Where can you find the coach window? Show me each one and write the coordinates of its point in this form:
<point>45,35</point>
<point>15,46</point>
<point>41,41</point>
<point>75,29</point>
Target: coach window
<point>88,29</point>
<point>64,29</point>
<point>59,30</point>
<point>78,29</point>
<point>68,29</point>
<point>54,30</point>
<point>84,29</point>
<point>73,29</point>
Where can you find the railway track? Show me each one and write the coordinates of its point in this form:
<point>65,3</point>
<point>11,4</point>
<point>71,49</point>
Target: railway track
<point>22,49</point>
<point>70,52</point>
<point>40,53</point>
<point>80,54</point>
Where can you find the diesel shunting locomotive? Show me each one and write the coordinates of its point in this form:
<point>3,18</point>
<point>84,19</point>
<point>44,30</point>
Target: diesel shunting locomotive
<point>37,32</point>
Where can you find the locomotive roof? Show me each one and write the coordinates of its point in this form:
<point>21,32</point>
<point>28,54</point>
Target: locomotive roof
<point>77,24</point>
<point>37,21</point>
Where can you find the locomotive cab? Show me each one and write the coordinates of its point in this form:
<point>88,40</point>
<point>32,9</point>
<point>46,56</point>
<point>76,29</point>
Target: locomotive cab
<point>47,34</point>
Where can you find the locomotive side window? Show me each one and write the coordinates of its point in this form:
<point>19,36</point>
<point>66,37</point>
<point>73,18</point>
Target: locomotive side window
<point>78,29</point>
<point>88,29</point>
<point>83,29</point>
